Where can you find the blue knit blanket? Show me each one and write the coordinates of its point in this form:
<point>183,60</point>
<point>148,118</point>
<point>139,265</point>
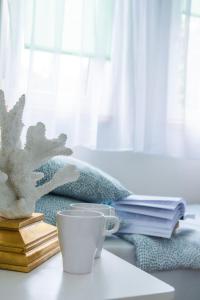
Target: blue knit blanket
<point>152,254</point>
<point>182,251</point>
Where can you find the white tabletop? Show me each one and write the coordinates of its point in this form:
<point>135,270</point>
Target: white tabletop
<point>112,278</point>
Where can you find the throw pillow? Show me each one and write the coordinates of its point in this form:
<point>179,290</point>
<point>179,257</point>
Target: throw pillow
<point>93,185</point>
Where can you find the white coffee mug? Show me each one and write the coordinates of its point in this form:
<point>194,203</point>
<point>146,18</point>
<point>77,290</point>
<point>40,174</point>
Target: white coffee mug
<point>79,232</point>
<point>107,210</point>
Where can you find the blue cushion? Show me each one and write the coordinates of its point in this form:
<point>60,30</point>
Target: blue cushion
<point>93,185</point>
<point>50,204</point>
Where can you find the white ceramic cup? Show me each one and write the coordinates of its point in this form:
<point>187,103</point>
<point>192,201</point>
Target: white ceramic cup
<point>107,210</point>
<point>79,232</point>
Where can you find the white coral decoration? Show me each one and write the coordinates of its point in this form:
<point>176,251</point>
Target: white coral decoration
<point>18,191</point>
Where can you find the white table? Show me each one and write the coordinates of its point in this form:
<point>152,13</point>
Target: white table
<point>112,278</point>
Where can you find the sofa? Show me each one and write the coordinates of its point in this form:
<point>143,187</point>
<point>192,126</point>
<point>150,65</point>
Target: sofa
<point>151,175</point>
<point>185,282</point>
<point>154,175</point>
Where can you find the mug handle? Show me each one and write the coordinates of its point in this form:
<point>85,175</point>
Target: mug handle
<point>115,221</point>
<point>112,211</point>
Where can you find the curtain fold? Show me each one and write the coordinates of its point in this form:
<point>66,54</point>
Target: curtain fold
<point>112,74</point>
<point>11,48</point>
<point>144,75</point>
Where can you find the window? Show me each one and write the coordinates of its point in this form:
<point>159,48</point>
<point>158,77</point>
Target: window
<point>67,46</point>
<point>192,80</point>
<point>72,27</point>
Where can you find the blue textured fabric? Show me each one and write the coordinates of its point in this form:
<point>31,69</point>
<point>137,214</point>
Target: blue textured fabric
<point>182,251</point>
<point>93,185</point>
<point>50,204</point>
<point>152,254</point>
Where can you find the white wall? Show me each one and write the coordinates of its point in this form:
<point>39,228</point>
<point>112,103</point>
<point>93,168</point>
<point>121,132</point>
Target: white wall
<point>146,174</point>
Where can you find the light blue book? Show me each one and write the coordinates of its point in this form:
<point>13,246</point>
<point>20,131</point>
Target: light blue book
<point>150,215</point>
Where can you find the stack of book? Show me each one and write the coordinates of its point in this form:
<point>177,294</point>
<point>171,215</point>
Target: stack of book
<point>150,215</point>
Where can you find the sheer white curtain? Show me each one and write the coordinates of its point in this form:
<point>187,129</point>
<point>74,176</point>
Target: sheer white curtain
<point>113,74</point>
<point>67,58</point>
<point>144,79</point>
<point>11,48</point>
<point>191,103</point>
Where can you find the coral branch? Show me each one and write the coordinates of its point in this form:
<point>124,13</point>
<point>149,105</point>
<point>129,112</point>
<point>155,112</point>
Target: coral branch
<point>62,176</point>
<point>40,148</point>
<point>18,190</point>
<point>11,125</point>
